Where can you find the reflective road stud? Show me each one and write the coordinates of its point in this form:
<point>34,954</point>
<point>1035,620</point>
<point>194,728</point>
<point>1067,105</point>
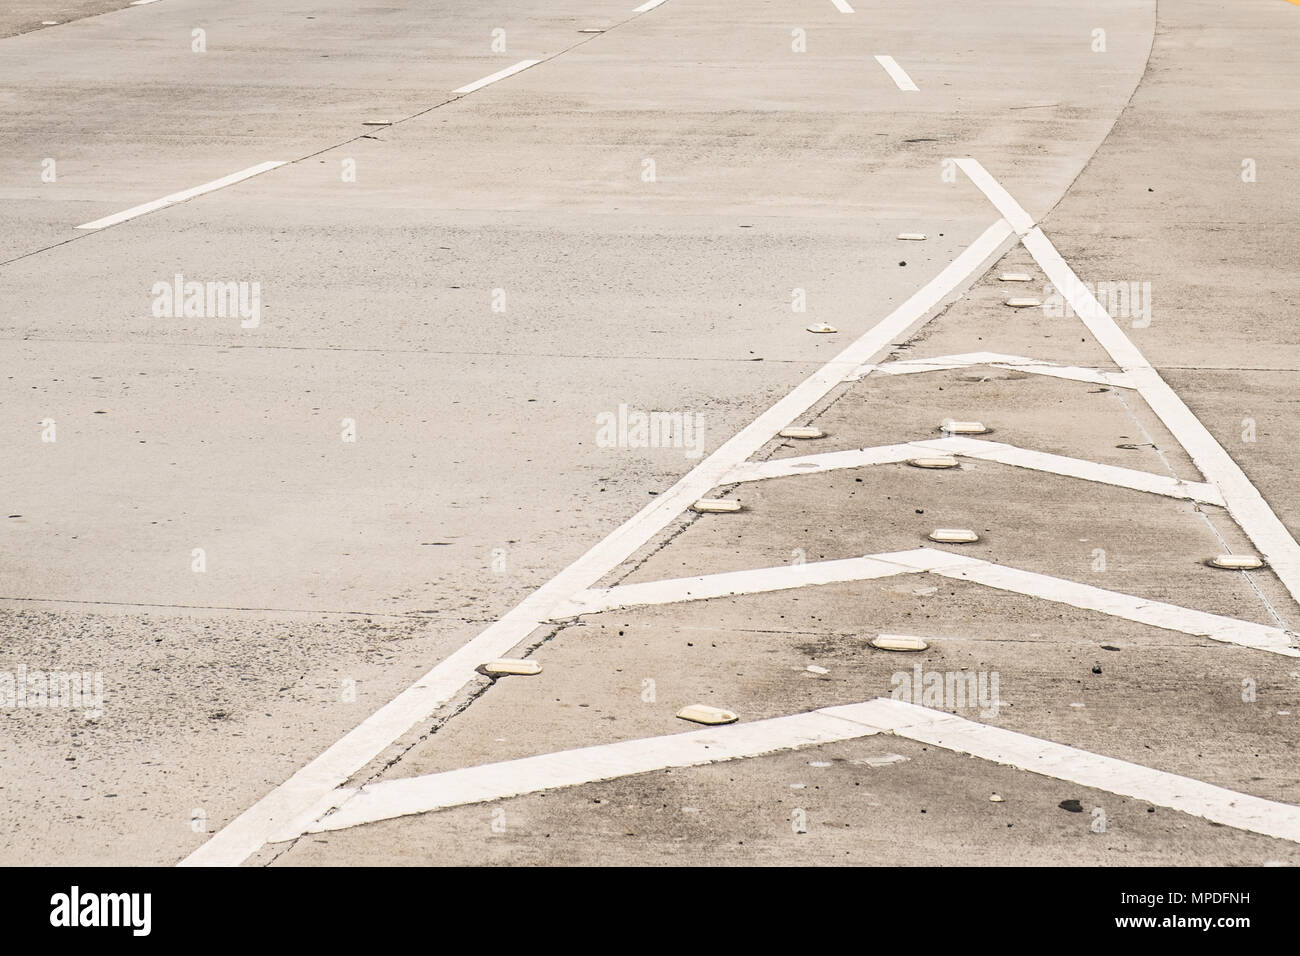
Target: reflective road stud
<point>954,535</point>
<point>511,666</point>
<point>1024,303</point>
<point>704,714</point>
<point>964,428</point>
<point>932,462</point>
<point>898,642</point>
<point>1236,562</point>
<point>822,328</point>
<point>1016,277</point>
<point>715,506</point>
<point>801,432</point>
<point>912,236</point>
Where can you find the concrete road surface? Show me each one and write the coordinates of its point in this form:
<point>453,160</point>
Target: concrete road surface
<point>349,347</point>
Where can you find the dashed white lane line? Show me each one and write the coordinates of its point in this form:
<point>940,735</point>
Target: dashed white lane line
<point>414,795</point>
<point>498,75</point>
<point>898,74</point>
<point>1243,501</point>
<point>649,5</point>
<point>249,831</point>
<point>568,768</point>
<point>842,6</point>
<point>141,3</point>
<point>983,451</point>
<point>181,196</point>
<point>1170,617</point>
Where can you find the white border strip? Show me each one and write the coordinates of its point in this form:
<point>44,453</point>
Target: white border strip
<point>897,74</point>
<point>842,6</point>
<point>414,795</point>
<point>649,5</point>
<point>174,198</point>
<point>498,75</point>
<point>568,768</point>
<point>249,831</point>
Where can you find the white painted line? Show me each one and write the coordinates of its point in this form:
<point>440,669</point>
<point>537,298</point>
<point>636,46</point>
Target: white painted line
<point>568,768</point>
<point>1155,613</point>
<point>923,559</point>
<point>498,75</point>
<point>250,830</point>
<point>1011,210</point>
<point>728,584</point>
<point>649,5</point>
<point>1216,804</point>
<point>1094,376</point>
<point>1242,499</point>
<point>842,6</point>
<point>1079,468</point>
<point>940,363</point>
<point>413,795</point>
<point>1059,590</point>
<point>897,74</point>
<point>961,360</point>
<point>141,3</point>
<point>181,196</point>
<point>829,461</point>
<point>982,451</point>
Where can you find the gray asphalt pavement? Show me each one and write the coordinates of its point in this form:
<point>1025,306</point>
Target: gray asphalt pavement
<point>260,527</point>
